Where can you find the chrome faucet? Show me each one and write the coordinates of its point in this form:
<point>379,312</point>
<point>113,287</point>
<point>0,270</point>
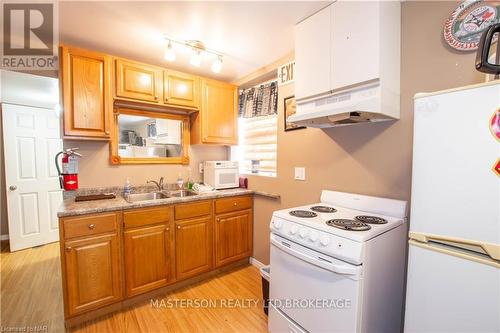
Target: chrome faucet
<point>158,184</point>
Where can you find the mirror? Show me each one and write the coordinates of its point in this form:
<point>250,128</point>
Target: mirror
<point>149,137</point>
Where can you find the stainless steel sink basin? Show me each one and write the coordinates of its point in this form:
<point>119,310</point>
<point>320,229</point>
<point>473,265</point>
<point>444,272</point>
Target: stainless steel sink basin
<point>181,193</point>
<point>136,197</point>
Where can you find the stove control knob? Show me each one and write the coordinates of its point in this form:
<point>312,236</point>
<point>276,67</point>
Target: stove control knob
<point>324,240</point>
<point>303,233</point>
<point>277,224</point>
<point>293,229</point>
<point>313,236</point>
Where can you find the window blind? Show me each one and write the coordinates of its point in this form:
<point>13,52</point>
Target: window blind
<point>258,145</point>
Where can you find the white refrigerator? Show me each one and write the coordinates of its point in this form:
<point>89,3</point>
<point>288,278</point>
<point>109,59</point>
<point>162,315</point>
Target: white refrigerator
<point>454,253</point>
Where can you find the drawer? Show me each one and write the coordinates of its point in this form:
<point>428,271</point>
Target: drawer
<point>232,204</point>
<point>87,225</point>
<point>195,209</point>
<point>146,216</point>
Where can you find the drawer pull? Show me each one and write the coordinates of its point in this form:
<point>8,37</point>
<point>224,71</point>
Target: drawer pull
<point>68,249</point>
<point>91,226</point>
<point>235,204</point>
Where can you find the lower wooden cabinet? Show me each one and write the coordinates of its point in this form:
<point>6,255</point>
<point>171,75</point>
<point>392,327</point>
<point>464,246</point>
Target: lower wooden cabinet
<point>92,271</point>
<point>147,258</point>
<point>193,246</point>
<point>233,237</point>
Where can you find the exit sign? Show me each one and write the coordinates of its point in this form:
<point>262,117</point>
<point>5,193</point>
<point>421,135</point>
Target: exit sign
<point>286,73</point>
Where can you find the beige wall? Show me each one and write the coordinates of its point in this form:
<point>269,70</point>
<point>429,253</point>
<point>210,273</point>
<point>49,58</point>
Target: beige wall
<point>373,159</point>
<point>95,170</point>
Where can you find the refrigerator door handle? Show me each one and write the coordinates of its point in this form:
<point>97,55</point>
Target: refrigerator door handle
<point>473,250</point>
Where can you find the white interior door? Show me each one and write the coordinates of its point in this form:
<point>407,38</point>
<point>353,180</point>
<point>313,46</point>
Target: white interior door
<point>31,140</point>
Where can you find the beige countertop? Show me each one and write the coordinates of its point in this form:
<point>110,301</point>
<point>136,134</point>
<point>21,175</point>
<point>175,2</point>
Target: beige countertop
<point>71,208</point>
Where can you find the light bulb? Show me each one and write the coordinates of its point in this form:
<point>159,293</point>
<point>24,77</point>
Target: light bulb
<point>196,58</point>
<point>169,52</point>
<point>217,64</point>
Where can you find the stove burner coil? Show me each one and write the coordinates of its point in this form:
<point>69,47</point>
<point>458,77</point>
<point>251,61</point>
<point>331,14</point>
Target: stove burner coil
<point>371,219</point>
<point>323,209</point>
<point>303,213</point>
<point>346,224</point>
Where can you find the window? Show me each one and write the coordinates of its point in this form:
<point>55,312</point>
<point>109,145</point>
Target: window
<point>258,131</point>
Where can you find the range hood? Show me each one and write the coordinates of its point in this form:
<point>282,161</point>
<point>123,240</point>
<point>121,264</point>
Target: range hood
<point>359,104</point>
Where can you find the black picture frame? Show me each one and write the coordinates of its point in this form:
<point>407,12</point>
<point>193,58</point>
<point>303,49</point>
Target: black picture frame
<point>288,110</point>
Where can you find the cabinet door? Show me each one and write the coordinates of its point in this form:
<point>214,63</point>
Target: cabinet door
<point>355,43</point>
<point>86,93</point>
<point>147,258</point>
<point>181,89</point>
<point>233,237</point>
<point>219,113</point>
<point>193,246</point>
<point>92,273</point>
<point>312,55</point>
<point>137,81</point>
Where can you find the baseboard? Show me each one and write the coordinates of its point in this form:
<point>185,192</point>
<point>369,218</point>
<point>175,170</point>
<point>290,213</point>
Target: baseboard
<point>4,237</point>
<point>256,263</point>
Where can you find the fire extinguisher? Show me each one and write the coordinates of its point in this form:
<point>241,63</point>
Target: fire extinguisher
<point>68,177</point>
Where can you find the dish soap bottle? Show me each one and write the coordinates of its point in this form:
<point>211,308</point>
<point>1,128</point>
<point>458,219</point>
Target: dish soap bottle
<point>180,182</point>
<point>127,188</point>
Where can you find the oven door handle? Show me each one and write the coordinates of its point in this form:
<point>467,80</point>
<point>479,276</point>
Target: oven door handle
<point>325,264</point>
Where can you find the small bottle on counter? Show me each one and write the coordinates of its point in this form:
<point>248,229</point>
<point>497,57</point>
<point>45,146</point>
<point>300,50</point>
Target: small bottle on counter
<point>180,181</point>
<point>189,181</point>
<point>127,188</point>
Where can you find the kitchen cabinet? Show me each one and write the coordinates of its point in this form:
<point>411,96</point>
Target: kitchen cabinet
<point>147,258</point>
<point>217,121</point>
<point>355,47</point>
<point>113,259</point>
<point>313,54</point>
<point>92,270</point>
<point>181,89</point>
<point>86,93</point>
<point>333,51</point>
<point>233,236</point>
<point>139,82</point>
<point>91,261</point>
<point>193,246</point>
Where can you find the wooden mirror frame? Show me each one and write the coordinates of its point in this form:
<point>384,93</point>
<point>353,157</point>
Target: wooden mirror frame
<point>116,159</point>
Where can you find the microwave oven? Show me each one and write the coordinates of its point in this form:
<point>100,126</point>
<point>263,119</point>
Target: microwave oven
<point>221,174</point>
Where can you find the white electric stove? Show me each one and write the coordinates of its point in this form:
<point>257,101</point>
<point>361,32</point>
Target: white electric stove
<point>338,265</point>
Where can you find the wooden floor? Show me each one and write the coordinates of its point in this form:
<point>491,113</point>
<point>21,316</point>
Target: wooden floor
<point>31,295</point>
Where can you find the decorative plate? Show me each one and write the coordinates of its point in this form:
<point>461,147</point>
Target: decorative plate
<point>463,29</point>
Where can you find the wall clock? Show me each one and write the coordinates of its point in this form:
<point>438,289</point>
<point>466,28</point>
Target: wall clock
<point>463,29</point>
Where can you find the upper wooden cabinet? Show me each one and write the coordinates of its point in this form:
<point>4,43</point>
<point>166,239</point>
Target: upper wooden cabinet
<point>217,122</point>
<point>180,89</point>
<point>137,81</point>
<point>86,93</point>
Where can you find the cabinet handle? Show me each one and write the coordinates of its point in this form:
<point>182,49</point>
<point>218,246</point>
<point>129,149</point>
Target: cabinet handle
<point>156,97</point>
<point>107,132</point>
<point>218,219</point>
<point>178,227</point>
<point>91,226</point>
<point>68,249</point>
<point>167,228</point>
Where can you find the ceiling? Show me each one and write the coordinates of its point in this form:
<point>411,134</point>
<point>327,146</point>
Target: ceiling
<point>250,34</point>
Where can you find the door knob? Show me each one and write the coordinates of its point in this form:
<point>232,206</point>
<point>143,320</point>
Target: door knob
<point>12,187</point>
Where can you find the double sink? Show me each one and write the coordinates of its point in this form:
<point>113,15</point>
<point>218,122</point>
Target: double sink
<point>151,196</point>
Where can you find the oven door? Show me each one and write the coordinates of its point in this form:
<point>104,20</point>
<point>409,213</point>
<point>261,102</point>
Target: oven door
<point>317,292</point>
<point>226,178</point>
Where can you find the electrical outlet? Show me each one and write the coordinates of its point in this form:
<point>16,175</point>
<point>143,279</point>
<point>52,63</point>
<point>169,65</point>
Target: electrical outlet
<point>200,167</point>
<point>300,173</point>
